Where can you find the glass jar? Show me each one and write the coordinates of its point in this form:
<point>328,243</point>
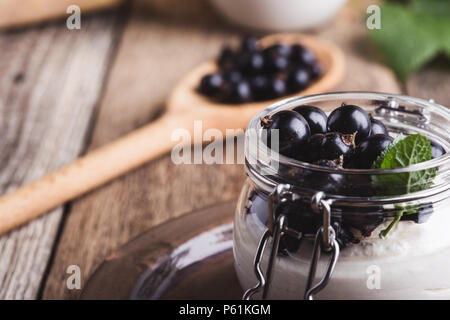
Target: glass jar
<point>290,211</point>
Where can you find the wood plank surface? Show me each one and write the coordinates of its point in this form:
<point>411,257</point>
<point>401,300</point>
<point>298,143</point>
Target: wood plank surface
<point>153,54</point>
<point>15,13</point>
<point>50,81</point>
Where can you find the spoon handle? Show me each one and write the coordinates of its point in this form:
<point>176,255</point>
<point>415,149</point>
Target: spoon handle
<point>90,171</point>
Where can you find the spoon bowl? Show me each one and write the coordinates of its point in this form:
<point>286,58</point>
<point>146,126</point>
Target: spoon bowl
<point>185,96</point>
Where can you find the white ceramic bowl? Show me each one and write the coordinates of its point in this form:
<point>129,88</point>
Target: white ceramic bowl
<point>278,15</point>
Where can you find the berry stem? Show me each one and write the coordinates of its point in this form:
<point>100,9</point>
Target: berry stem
<point>266,121</point>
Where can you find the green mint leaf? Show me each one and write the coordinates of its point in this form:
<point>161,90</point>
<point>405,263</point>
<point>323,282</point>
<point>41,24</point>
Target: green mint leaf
<point>377,163</point>
<point>402,152</point>
<point>410,37</point>
<point>408,151</point>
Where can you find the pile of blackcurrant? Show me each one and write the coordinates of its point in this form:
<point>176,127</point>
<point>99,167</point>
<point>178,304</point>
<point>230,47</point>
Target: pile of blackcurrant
<point>252,73</point>
<point>347,138</point>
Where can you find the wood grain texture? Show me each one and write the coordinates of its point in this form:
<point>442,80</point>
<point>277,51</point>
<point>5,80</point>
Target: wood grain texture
<point>14,13</point>
<point>153,55</point>
<point>184,106</point>
<point>50,81</point>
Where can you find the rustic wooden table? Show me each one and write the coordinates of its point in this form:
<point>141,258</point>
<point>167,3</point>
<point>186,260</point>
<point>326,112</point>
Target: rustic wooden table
<point>63,93</point>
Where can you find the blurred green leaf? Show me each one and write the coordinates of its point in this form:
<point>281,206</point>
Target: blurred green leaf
<point>433,7</point>
<point>412,35</point>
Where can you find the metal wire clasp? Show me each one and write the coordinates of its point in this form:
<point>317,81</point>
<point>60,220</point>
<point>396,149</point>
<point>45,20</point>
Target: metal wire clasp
<point>325,240</point>
<point>275,229</point>
<point>280,194</point>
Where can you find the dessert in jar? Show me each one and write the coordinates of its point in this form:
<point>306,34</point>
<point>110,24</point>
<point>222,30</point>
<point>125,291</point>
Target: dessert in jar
<point>372,209</point>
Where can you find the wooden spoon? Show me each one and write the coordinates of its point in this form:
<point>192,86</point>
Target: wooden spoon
<point>184,106</point>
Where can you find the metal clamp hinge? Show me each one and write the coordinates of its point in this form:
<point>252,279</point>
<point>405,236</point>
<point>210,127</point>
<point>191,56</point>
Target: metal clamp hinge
<point>325,240</point>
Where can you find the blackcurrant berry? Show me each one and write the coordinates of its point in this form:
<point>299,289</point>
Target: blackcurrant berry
<point>301,218</point>
<point>315,147</point>
<point>301,55</point>
<point>344,236</point>
<point>276,64</point>
<point>421,216</point>
<point>436,150</point>
<point>260,87</point>
<point>226,59</point>
<point>368,151</point>
<point>350,119</point>
<point>315,71</point>
<point>232,76</point>
<point>277,87</point>
<point>256,63</point>
<point>240,92</point>
<point>298,79</point>
<point>335,164</point>
<point>316,118</point>
<point>293,131</point>
<point>249,44</point>
<point>336,144</point>
<point>277,50</point>
<point>211,84</point>
<point>332,183</point>
<point>378,127</point>
<point>363,219</point>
